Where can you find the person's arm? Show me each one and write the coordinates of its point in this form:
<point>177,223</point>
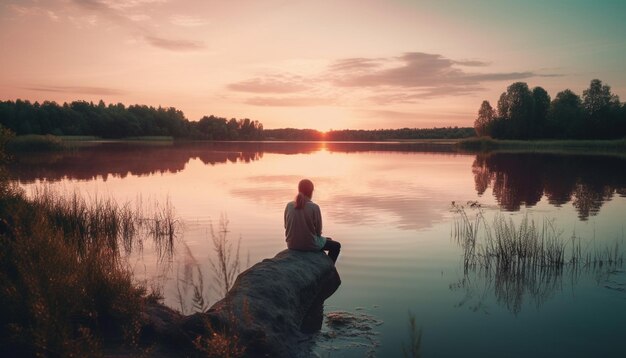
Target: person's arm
<point>318,221</point>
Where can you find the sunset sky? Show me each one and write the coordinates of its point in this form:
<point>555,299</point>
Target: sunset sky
<point>308,64</point>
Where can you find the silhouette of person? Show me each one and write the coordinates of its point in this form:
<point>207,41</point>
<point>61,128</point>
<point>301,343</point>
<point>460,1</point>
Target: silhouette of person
<point>303,224</point>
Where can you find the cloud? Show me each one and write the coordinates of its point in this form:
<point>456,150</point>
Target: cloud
<point>472,63</point>
<point>289,101</point>
<point>423,94</point>
<point>173,45</point>
<point>26,10</point>
<point>188,21</point>
<point>127,4</point>
<point>354,64</point>
<point>270,84</point>
<point>419,70</point>
<point>409,78</point>
<point>116,12</point>
<point>100,91</point>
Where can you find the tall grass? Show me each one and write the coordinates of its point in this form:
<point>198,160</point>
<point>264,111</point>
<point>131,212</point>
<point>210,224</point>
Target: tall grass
<point>615,146</point>
<point>414,350</point>
<point>104,222</point>
<point>35,142</point>
<point>227,265</point>
<point>524,258</point>
<point>65,289</point>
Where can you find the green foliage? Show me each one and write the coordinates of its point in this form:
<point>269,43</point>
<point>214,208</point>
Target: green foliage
<point>35,142</point>
<point>486,115</point>
<point>565,117</point>
<point>526,114</point>
<point>80,118</point>
<point>57,299</point>
<point>64,288</point>
<point>478,144</point>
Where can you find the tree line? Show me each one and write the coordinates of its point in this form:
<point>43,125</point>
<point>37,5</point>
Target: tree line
<point>369,135</point>
<point>523,113</point>
<point>118,121</point>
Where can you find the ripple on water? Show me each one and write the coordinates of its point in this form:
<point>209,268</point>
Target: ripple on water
<point>348,332</point>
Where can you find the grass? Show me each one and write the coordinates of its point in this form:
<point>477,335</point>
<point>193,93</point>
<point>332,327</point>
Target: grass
<point>569,146</point>
<point>525,258</point>
<point>64,288</point>
<point>34,142</point>
<point>77,138</point>
<point>415,339</point>
<point>60,296</point>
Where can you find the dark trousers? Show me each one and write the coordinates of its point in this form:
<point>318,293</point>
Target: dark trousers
<point>333,248</point>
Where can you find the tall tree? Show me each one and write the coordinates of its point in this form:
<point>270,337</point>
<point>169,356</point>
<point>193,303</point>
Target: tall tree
<point>565,117</point>
<point>541,105</point>
<point>602,109</point>
<point>486,115</point>
<point>597,99</point>
<point>515,107</point>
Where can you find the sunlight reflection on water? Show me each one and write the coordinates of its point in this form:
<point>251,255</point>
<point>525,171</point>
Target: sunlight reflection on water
<point>390,206</point>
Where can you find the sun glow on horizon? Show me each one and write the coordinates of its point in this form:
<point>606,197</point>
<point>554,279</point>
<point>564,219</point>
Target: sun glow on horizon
<point>370,66</point>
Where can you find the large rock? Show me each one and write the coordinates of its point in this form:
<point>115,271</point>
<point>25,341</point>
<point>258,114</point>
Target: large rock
<point>270,304</point>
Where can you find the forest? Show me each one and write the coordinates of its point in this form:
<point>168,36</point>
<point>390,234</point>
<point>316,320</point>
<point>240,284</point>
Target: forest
<point>369,135</point>
<point>113,121</point>
<point>523,113</point>
<point>80,118</point>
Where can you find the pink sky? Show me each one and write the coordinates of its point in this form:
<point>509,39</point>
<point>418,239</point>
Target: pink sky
<point>305,64</point>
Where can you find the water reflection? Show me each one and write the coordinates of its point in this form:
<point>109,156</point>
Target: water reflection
<point>524,261</point>
<point>524,178</point>
<point>120,159</point>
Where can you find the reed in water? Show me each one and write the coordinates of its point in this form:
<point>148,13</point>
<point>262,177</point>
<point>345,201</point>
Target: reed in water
<point>524,259</point>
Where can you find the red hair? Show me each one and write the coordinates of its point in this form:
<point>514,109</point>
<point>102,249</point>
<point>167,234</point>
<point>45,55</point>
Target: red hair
<point>305,191</point>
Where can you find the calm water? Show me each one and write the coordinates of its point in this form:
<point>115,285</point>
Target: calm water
<point>390,206</point>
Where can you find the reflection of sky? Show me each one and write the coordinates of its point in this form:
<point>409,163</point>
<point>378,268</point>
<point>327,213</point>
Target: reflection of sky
<point>391,212</point>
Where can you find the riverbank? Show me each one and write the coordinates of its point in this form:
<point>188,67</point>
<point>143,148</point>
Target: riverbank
<point>486,144</point>
<point>43,143</point>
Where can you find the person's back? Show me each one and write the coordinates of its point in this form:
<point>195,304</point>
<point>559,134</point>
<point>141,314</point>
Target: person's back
<point>303,224</point>
<point>303,227</point>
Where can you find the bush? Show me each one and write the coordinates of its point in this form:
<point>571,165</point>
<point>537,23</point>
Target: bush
<point>57,299</point>
<point>33,142</point>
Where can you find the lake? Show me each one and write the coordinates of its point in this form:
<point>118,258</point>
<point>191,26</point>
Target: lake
<point>394,208</point>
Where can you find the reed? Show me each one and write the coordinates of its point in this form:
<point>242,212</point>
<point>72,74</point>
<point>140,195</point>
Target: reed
<point>65,289</point>
<point>61,295</point>
<point>104,222</point>
<point>227,264</point>
<point>523,258</point>
<point>414,350</point>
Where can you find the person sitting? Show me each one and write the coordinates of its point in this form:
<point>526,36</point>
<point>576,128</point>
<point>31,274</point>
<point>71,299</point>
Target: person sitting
<point>303,224</point>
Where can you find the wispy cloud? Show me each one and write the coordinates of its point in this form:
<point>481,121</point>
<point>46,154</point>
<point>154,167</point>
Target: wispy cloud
<point>101,91</point>
<point>408,78</point>
<point>118,12</point>
<point>33,9</point>
<point>129,4</point>
<point>418,69</point>
<point>418,76</point>
<point>290,101</point>
<point>271,84</point>
<point>173,45</point>
<point>188,21</point>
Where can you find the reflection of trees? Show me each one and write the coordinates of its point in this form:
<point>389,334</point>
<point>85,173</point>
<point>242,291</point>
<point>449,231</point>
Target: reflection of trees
<point>121,159</point>
<point>523,178</point>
